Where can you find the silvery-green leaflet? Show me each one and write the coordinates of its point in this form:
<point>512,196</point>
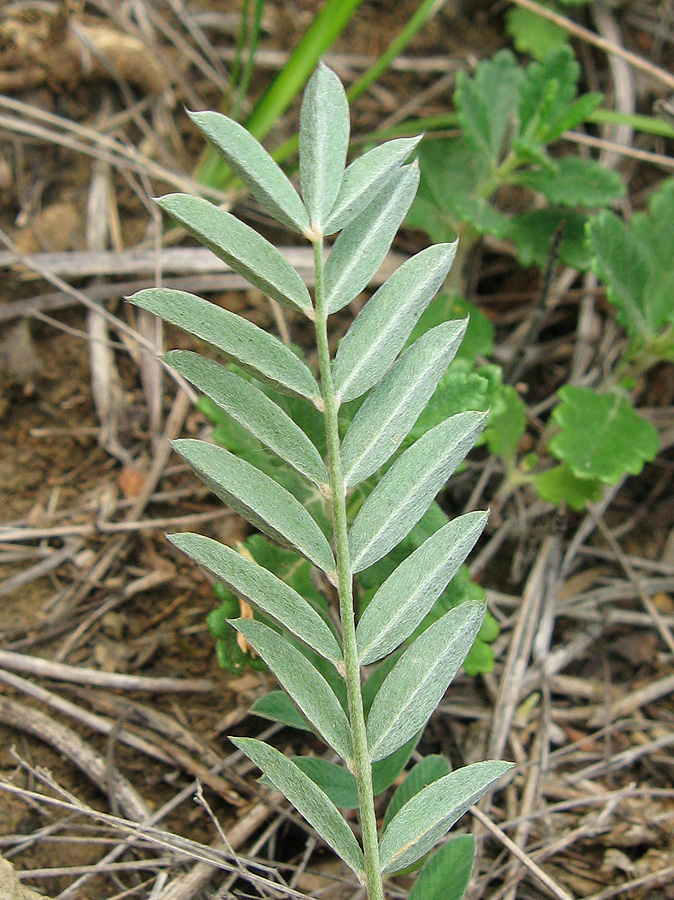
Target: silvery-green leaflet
<point>373,724</point>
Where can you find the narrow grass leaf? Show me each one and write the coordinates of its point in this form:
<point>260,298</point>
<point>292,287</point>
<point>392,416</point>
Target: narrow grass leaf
<point>324,141</point>
<point>382,327</point>
<point>365,177</point>
<point>259,499</point>
<point>263,590</point>
<point>309,800</point>
<point>426,771</point>
<point>278,707</point>
<point>361,247</point>
<point>447,873</point>
<point>387,415</point>
<point>250,162</point>
<point>256,351</point>
<point>246,251</point>
<point>409,593</point>
<point>430,814</point>
<point>303,682</point>
<point>253,409</point>
<point>419,679</point>
<point>407,489</point>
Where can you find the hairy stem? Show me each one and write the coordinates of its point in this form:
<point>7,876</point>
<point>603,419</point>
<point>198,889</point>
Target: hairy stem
<point>361,761</point>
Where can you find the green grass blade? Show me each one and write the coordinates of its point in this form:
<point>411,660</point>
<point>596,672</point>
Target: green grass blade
<point>259,499</point>
<point>382,327</point>
<point>313,803</point>
<point>263,590</point>
<point>246,251</point>
<point>257,352</point>
<point>430,814</point>
<point>389,412</point>
<point>407,489</point>
<point>361,247</point>
<point>303,682</point>
<point>408,594</point>
<point>253,409</point>
<point>418,681</point>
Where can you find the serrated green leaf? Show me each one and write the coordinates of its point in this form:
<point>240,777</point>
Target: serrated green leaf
<point>361,247</point>
<point>365,178</point>
<point>324,141</point>
<point>254,410</point>
<point>419,679</point>
<point>447,873</point>
<point>381,328</point>
<point>546,94</point>
<point>430,814</point>
<point>532,34</point>
<point>278,707</point>
<point>304,683</point>
<point>533,232</point>
<point>242,248</point>
<point>262,590</point>
<point>560,485</point>
<point>256,351</point>
<point>600,435</point>
<point>577,182</point>
<point>637,266</point>
<point>428,770</point>
<point>452,176</point>
<point>407,489</point>
<point>389,412</point>
<point>259,499</point>
<point>487,103</point>
<point>408,594</point>
<point>313,803</point>
<point>250,162</point>
<point>507,422</point>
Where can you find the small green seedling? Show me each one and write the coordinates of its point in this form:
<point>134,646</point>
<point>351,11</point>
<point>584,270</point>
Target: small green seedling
<point>510,117</point>
<point>320,653</point>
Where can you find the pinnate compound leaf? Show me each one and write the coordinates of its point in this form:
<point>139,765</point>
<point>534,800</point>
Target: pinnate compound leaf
<point>419,679</point>
<point>256,351</point>
<point>387,415</point>
<point>259,499</point>
<point>447,873</point>
<point>381,328</point>
<point>253,409</point>
<point>428,770</point>
<point>263,590</point>
<point>601,436</point>
<point>278,707</point>
<point>303,682</point>
<point>361,247</point>
<point>250,162</point>
<point>309,800</point>
<point>324,141</point>
<point>365,177</point>
<point>430,814</point>
<point>408,594</point>
<point>246,251</point>
<point>407,489</point>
